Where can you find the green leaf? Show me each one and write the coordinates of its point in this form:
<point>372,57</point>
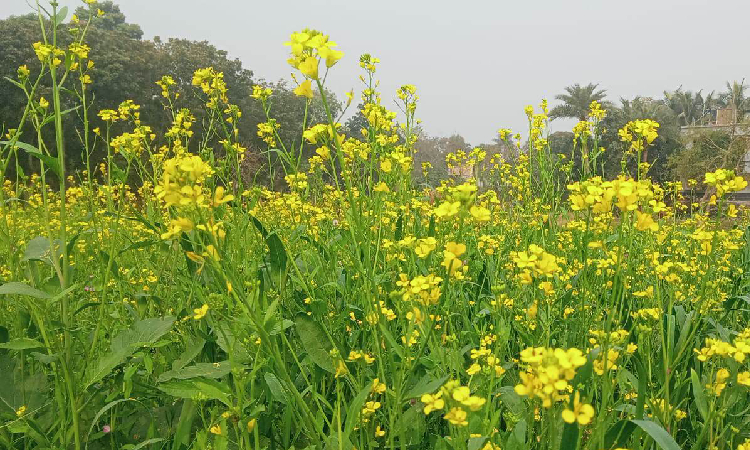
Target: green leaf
<point>659,434</point>
<point>584,373</point>
<point>517,438</point>
<point>394,346</point>
<point>38,249</point>
<point>426,385</point>
<point>61,15</point>
<point>512,401</point>
<point>475,443</point>
<point>143,332</point>
<point>642,387</point>
<point>22,344</point>
<point>50,161</point>
<point>182,433</point>
<point>315,341</point>
<point>198,388</point>
<point>51,118</point>
<point>142,444</point>
<point>277,257</point>
<point>208,370</point>
<point>140,244</point>
<point>17,288</point>
<point>191,351</point>
<point>699,394</point>
<point>277,390</point>
<point>28,147</point>
<point>355,407</point>
<point>227,341</point>
<point>618,435</point>
<point>570,431</point>
<point>104,409</point>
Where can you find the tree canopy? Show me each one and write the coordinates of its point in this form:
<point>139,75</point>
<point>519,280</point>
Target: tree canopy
<point>126,67</point>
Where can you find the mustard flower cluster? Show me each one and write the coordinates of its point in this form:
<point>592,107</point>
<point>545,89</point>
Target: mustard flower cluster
<point>548,372</point>
<point>725,181</point>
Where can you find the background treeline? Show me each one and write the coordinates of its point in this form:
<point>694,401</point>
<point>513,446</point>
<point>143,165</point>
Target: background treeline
<point>127,67</point>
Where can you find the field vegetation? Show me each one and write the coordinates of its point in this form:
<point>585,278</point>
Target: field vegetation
<point>178,289</point>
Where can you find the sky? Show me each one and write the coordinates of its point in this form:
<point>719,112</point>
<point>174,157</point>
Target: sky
<point>475,64</point>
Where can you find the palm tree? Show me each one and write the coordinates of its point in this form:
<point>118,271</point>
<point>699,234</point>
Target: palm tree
<point>710,105</point>
<point>577,101</point>
<point>735,98</point>
<point>688,106</point>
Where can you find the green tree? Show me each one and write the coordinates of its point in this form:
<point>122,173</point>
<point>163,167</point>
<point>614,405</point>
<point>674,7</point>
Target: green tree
<point>735,98</point>
<point>354,125</point>
<point>433,150</point>
<point>690,107</point>
<point>706,151</point>
<point>126,67</point>
<point>667,143</point>
<point>576,101</point>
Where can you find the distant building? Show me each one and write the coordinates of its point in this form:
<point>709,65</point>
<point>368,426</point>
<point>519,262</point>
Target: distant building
<point>724,119</point>
<point>464,171</point>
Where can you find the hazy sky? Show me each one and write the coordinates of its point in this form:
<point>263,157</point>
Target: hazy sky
<point>476,64</point>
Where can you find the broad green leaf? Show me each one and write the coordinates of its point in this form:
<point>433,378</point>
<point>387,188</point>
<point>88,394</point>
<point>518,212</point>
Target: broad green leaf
<point>198,388</point>
<point>18,389</point>
<point>208,370</point>
<point>22,344</point>
<point>191,351</point>
<point>427,384</point>
<point>61,15</point>
<point>475,443</point>
<point>569,436</point>
<point>45,358</point>
<point>17,288</point>
<point>143,332</point>
<point>315,341</point>
<point>38,249</point>
<point>511,400</point>
<point>277,390</point>
<point>658,434</point>
<point>699,394</point>
<point>517,438</point>
<point>226,340</point>
<point>50,161</point>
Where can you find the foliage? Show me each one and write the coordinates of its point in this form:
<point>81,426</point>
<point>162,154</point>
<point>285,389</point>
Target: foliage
<point>576,101</point>
<point>126,68</point>
<point>706,151</point>
<point>558,308</point>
